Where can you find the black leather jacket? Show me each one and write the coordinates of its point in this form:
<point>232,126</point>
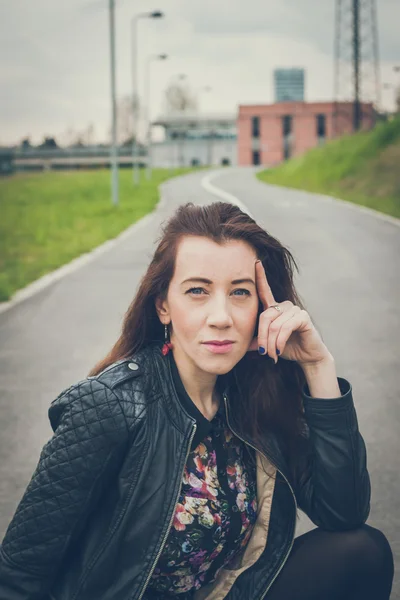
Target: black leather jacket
<point>98,509</point>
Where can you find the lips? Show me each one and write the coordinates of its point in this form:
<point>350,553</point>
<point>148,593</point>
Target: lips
<point>219,347</point>
<point>216,343</point>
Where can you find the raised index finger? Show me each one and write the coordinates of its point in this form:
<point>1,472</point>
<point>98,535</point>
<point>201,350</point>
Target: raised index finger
<point>263,289</point>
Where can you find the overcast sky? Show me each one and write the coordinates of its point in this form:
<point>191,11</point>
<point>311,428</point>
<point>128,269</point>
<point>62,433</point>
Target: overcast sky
<point>54,56</point>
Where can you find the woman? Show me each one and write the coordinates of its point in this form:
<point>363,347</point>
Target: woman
<point>177,466</point>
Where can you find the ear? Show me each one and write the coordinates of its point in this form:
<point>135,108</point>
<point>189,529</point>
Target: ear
<point>162,310</point>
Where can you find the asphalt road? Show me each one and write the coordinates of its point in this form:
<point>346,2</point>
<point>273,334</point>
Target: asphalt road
<point>349,282</point>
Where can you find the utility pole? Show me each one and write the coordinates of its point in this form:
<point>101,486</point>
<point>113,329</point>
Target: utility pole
<point>114,155</point>
<point>357,86</point>
<point>356,65</point>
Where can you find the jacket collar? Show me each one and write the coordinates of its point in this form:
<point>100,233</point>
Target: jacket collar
<point>204,425</point>
<point>182,409</point>
<point>184,417</point>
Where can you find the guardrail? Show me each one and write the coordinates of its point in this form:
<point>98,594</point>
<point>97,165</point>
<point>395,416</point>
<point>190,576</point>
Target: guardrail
<point>85,151</point>
<point>69,158</point>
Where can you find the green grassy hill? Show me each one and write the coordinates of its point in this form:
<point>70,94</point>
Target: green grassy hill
<point>363,168</point>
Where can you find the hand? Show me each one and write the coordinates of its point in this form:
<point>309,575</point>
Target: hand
<point>288,333</point>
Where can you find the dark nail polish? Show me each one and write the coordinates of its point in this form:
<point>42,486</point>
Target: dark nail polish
<point>278,351</point>
<point>261,349</point>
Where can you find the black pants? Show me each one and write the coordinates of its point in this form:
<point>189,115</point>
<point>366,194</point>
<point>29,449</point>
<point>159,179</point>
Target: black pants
<point>339,565</point>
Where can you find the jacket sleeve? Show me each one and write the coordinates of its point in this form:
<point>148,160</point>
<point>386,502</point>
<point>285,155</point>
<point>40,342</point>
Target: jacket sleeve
<point>334,488</point>
<point>89,434</point>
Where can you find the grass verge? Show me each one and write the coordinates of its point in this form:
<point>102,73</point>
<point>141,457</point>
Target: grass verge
<point>47,219</point>
<point>361,168</point>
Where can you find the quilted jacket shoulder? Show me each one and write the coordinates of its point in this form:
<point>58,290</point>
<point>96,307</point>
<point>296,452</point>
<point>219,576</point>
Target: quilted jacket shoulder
<point>89,442</point>
<point>91,403</point>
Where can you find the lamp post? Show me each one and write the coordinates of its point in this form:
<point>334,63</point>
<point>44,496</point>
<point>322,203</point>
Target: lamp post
<point>150,59</point>
<point>156,14</point>
<point>114,155</point>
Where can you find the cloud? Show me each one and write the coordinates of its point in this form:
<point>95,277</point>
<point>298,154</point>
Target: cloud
<point>307,20</point>
<point>55,69</point>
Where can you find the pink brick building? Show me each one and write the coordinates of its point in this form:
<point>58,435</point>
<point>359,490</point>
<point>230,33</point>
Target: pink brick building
<point>270,133</point>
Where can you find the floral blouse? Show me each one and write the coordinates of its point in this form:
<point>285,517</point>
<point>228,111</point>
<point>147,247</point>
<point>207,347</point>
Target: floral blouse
<point>216,510</point>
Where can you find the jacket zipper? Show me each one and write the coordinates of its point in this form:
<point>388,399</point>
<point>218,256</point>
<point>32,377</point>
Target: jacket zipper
<point>290,487</point>
<point>172,518</point>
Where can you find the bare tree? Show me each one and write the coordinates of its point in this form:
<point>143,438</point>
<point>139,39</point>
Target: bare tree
<point>179,98</point>
<point>68,137</point>
<point>179,101</point>
<point>90,135</point>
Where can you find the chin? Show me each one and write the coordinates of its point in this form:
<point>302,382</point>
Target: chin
<point>222,365</point>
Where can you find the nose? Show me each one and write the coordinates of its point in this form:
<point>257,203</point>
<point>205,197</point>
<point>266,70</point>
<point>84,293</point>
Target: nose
<point>219,312</point>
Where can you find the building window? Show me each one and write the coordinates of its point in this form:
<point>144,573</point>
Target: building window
<point>287,125</point>
<point>255,127</point>
<point>321,128</point>
<point>256,157</point>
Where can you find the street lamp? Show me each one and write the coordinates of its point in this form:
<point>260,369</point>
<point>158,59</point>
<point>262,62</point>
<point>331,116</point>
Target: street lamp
<point>156,14</point>
<point>150,59</point>
<point>114,155</point>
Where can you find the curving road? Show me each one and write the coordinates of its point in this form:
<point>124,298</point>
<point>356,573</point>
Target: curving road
<point>349,266</point>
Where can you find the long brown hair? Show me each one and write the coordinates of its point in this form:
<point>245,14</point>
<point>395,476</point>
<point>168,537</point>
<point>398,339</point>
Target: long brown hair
<point>269,395</point>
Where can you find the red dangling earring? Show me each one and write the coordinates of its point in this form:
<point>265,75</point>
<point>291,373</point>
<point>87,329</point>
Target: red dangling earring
<point>167,345</point>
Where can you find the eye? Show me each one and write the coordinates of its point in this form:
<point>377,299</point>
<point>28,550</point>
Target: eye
<point>192,290</point>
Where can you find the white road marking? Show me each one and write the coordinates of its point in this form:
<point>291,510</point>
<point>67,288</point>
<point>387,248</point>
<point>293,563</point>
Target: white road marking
<point>220,193</point>
<point>212,189</point>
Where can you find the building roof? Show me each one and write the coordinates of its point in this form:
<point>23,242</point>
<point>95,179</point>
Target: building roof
<point>298,107</point>
<point>195,118</point>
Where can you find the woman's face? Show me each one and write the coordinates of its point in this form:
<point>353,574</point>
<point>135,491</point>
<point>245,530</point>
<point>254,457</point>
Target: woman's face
<point>219,310</point>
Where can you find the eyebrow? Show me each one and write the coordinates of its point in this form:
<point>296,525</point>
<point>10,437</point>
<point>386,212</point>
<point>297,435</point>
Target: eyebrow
<point>209,282</point>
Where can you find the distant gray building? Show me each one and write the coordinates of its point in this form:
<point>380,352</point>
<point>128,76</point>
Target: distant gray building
<point>289,85</point>
<point>196,139</point>
<point>6,161</point>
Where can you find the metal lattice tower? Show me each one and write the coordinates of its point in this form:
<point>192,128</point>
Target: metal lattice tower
<point>357,75</point>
